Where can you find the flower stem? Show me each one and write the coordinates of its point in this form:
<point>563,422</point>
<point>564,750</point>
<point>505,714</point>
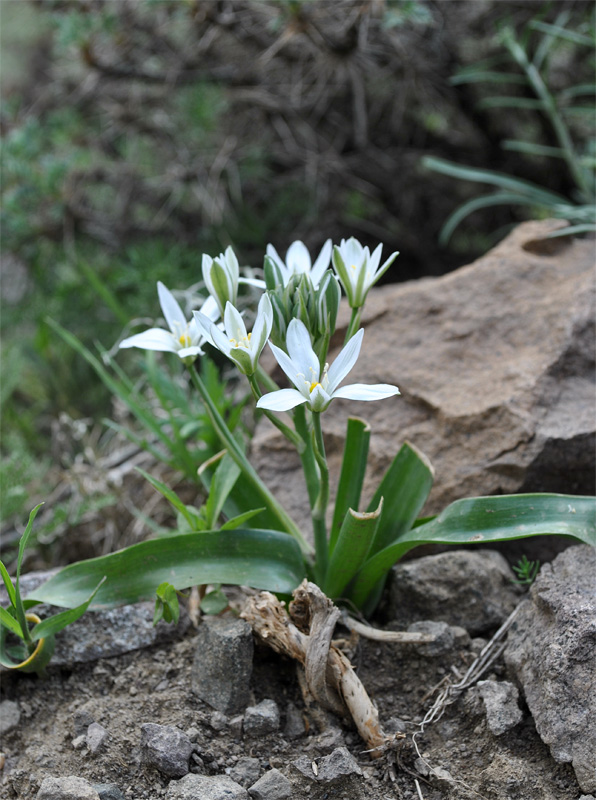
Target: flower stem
<point>354,323</point>
<point>290,435</point>
<point>320,507</point>
<point>307,457</point>
<point>248,470</point>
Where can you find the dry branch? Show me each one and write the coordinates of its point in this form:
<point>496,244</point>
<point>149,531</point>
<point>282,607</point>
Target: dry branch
<point>305,634</point>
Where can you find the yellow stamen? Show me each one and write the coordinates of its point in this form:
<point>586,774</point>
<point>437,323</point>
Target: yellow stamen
<point>313,385</point>
<point>185,340</point>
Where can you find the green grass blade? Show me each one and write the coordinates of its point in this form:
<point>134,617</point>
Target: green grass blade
<point>222,484</point>
<point>486,519</point>
<point>486,76</point>
<point>562,33</point>
<point>262,559</point>
<point>512,102</point>
<point>170,496</point>
<point>497,179</point>
<point>404,489</point>
<point>8,621</point>
<point>19,610</point>
<point>10,590</point>
<point>351,477</point>
<point>241,519</point>
<point>353,545</point>
<point>531,148</point>
<point>572,230</point>
<point>51,625</point>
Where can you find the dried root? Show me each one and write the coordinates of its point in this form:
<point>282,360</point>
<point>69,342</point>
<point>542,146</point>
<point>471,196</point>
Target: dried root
<point>305,634</point>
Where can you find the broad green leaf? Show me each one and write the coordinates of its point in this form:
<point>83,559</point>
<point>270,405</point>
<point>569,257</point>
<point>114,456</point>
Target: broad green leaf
<point>51,625</point>
<point>404,489</point>
<point>351,477</point>
<point>353,544</point>
<point>258,558</point>
<point>486,519</point>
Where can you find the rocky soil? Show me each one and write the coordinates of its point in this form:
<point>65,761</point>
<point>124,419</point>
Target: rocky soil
<point>138,725</point>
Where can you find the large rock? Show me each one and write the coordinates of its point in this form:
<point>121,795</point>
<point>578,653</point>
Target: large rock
<point>495,363</point>
<point>552,652</point>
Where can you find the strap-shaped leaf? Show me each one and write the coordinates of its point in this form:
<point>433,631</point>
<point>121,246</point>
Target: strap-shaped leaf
<point>486,519</point>
<point>51,625</point>
<point>404,490</point>
<point>261,559</point>
<point>353,544</point>
<point>351,477</point>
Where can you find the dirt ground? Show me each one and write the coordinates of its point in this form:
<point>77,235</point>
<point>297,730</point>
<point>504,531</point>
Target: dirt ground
<point>154,685</point>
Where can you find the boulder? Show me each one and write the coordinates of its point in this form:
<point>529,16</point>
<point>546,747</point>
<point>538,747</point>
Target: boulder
<point>551,651</point>
<point>495,363</point>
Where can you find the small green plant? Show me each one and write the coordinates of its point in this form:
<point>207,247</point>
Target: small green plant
<point>33,639</point>
<point>260,544</point>
<point>531,59</point>
<point>526,571</point>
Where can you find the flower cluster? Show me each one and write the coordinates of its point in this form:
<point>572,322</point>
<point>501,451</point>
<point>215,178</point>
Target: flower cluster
<point>297,314</point>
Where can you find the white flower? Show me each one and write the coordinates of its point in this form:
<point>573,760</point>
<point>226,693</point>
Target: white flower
<point>357,269</point>
<point>222,276</point>
<point>298,262</point>
<point>184,338</point>
<point>318,390</point>
<point>243,348</point>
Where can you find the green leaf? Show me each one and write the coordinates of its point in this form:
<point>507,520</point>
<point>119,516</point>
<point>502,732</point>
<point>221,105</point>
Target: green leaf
<point>486,76</point>
<point>498,179</point>
<point>170,496</point>
<point>10,590</point>
<point>533,149</point>
<point>351,477</point>
<point>241,519</point>
<point>486,519</point>
<point>511,102</point>
<point>562,33</point>
<point>353,545</point>
<point>262,559</point>
<point>8,621</point>
<point>222,484</point>
<point>214,602</point>
<point>19,610</point>
<point>404,488</point>
<point>51,625</point>
<point>166,604</point>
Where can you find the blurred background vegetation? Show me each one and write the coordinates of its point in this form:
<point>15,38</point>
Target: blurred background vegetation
<point>138,134</point>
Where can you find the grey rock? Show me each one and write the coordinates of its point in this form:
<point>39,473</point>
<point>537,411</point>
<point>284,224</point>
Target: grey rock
<point>201,787</point>
<point>272,786</point>
<point>10,715</point>
<point>395,725</point>
<point>302,768</point>
<point>81,720</point>
<point>261,719</point>
<point>500,700</point>
<point>218,721</point>
<point>223,640</point>
<point>79,741</point>
<point>495,363</point>
<point>246,771</point>
<point>337,766</point>
<point>586,797</point>
<point>294,726</point>
<point>443,633</point>
<point>69,788</point>
<point>551,650</point>
<point>108,791</point>
<point>465,588</point>
<point>166,748</point>
<point>97,737</point>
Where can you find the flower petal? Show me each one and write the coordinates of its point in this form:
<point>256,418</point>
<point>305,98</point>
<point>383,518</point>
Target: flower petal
<point>300,349</point>
<point>152,339</point>
<point>195,350</point>
<point>298,258</point>
<point>362,391</point>
<point>319,398</point>
<point>281,400</point>
<point>344,361</point>
<point>291,370</point>
<point>321,264</point>
<point>234,324</point>
<point>172,312</point>
<point>220,340</point>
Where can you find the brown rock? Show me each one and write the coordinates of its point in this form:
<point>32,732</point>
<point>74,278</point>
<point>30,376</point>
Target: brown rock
<point>495,363</point>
